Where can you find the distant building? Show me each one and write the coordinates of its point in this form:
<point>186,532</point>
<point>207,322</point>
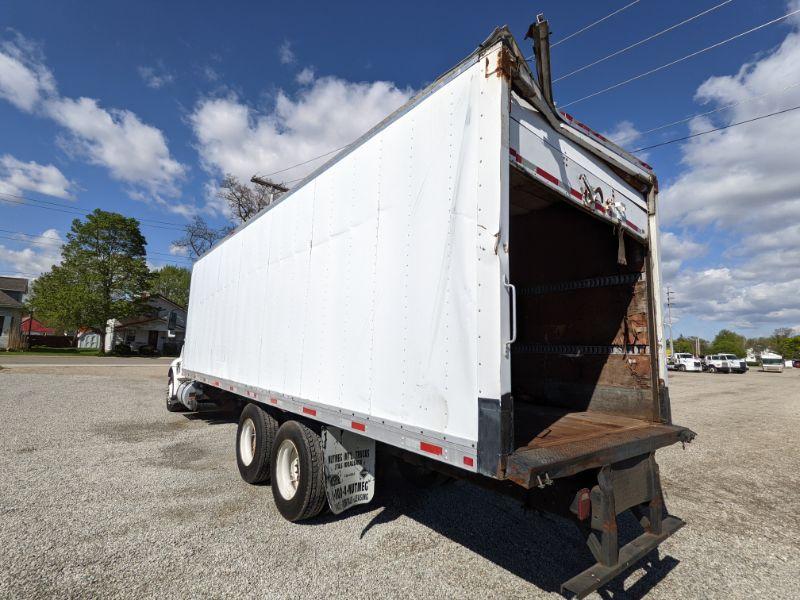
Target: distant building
<point>12,289</point>
<point>89,338</point>
<point>161,327</point>
<point>35,327</point>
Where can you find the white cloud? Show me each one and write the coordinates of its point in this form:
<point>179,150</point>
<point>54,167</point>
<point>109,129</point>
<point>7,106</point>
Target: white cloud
<point>741,186</point>
<point>305,76</point>
<point>155,77</point>
<point>676,250</point>
<point>134,152</point>
<point>38,256</point>
<point>285,53</point>
<point>624,133</point>
<point>178,250</point>
<point>17,176</point>
<point>24,80</point>
<point>233,138</point>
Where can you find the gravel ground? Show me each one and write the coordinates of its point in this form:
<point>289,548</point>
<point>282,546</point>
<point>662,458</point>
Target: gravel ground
<point>104,493</point>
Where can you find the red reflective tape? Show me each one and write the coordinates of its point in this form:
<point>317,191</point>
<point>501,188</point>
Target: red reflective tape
<point>309,411</point>
<point>273,400</point>
<point>468,461</point>
<point>512,152</point>
<point>631,225</point>
<point>600,207</point>
<point>358,426</point>
<point>216,383</point>
<point>542,173</point>
<point>576,193</point>
<point>426,447</point>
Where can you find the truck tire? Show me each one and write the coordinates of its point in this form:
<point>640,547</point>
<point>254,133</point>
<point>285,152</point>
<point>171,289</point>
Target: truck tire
<point>298,479</point>
<point>682,368</point>
<point>254,439</point>
<point>173,405</point>
<point>712,369</point>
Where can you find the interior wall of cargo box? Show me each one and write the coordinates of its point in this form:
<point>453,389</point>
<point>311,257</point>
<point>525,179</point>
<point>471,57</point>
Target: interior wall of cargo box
<point>582,317</point>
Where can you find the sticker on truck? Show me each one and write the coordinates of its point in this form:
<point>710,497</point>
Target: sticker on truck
<point>349,468</point>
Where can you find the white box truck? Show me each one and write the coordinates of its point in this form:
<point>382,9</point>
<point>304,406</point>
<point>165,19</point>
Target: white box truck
<point>470,287</point>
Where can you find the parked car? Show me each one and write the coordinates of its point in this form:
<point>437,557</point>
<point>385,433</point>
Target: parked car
<point>684,361</point>
<point>724,363</point>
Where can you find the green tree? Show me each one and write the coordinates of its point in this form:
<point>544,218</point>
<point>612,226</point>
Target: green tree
<point>101,275</point>
<point>684,344</point>
<point>172,282</point>
<point>728,342</point>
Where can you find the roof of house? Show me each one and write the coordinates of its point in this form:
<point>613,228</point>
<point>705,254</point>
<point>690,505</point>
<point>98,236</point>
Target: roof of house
<point>14,284</point>
<point>35,327</point>
<point>8,301</point>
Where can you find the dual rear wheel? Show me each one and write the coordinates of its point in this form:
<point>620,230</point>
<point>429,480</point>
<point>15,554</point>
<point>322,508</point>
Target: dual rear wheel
<point>290,455</point>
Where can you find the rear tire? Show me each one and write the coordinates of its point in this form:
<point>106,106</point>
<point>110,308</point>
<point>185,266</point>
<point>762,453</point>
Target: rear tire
<point>254,439</point>
<point>681,367</point>
<point>712,369</point>
<point>298,479</point>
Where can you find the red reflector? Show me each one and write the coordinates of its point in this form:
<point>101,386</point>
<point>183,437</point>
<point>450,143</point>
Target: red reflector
<point>309,411</point>
<point>359,426</point>
<point>273,400</point>
<point>544,174</point>
<point>426,447</point>
<point>216,383</point>
<point>468,461</point>
<point>584,504</point>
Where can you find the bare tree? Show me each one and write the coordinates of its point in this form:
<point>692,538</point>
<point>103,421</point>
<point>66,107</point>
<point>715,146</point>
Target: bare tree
<point>244,202</point>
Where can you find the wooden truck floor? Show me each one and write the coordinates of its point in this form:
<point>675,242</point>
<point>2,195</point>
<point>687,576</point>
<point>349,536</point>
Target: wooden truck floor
<point>562,443</point>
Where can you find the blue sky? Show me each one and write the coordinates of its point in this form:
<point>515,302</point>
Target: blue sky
<point>142,107</point>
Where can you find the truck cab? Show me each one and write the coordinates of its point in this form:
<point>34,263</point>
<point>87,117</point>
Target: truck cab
<point>724,363</point>
<point>684,361</point>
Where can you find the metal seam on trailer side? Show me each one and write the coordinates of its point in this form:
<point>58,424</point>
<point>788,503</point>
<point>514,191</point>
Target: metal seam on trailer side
<point>454,450</point>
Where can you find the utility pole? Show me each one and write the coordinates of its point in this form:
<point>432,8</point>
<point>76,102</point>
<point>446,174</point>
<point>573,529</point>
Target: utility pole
<point>669,317</point>
<point>274,189</point>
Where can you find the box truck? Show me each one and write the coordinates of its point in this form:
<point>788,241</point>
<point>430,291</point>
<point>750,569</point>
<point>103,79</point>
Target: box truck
<point>471,287</point>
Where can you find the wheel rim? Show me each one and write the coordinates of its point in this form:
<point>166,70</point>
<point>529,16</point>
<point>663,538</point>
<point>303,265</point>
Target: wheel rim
<point>247,442</point>
<point>287,469</point>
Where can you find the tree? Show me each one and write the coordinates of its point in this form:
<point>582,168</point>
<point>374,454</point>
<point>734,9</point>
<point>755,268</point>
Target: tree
<point>243,203</point>
<point>172,282</point>
<point>101,276</point>
<point>728,342</point>
<point>684,344</point>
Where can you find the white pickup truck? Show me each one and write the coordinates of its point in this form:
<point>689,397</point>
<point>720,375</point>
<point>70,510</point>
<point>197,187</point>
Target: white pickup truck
<point>724,363</point>
<point>684,361</point>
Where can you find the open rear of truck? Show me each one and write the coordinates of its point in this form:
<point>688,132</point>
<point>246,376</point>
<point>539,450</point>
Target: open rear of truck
<point>588,399</point>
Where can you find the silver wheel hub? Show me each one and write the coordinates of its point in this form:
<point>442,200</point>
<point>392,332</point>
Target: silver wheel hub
<point>247,442</point>
<point>287,469</point>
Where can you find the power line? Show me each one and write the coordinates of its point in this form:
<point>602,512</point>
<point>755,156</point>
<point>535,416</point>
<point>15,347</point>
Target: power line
<point>590,25</point>
<point>704,114</point>
<point>71,210</point>
<point>642,41</point>
<point>52,241</point>
<point>694,135</point>
<point>300,164</point>
<point>678,60</point>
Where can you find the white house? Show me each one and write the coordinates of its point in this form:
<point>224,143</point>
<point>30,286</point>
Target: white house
<point>12,289</point>
<point>161,327</point>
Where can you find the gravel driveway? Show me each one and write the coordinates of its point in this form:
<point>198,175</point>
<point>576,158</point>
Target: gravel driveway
<point>104,493</point>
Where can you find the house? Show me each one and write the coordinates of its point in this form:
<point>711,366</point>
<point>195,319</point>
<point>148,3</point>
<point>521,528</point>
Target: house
<point>160,327</point>
<point>12,289</point>
<point>33,327</point>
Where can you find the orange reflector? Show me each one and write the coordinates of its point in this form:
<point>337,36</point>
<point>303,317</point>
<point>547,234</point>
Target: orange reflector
<point>426,447</point>
<point>584,504</point>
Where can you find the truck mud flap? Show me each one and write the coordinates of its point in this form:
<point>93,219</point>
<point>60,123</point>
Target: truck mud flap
<point>633,484</point>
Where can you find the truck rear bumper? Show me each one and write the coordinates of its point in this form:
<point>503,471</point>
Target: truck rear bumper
<point>599,574</point>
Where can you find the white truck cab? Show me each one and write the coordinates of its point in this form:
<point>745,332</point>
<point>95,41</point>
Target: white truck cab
<point>685,361</point>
